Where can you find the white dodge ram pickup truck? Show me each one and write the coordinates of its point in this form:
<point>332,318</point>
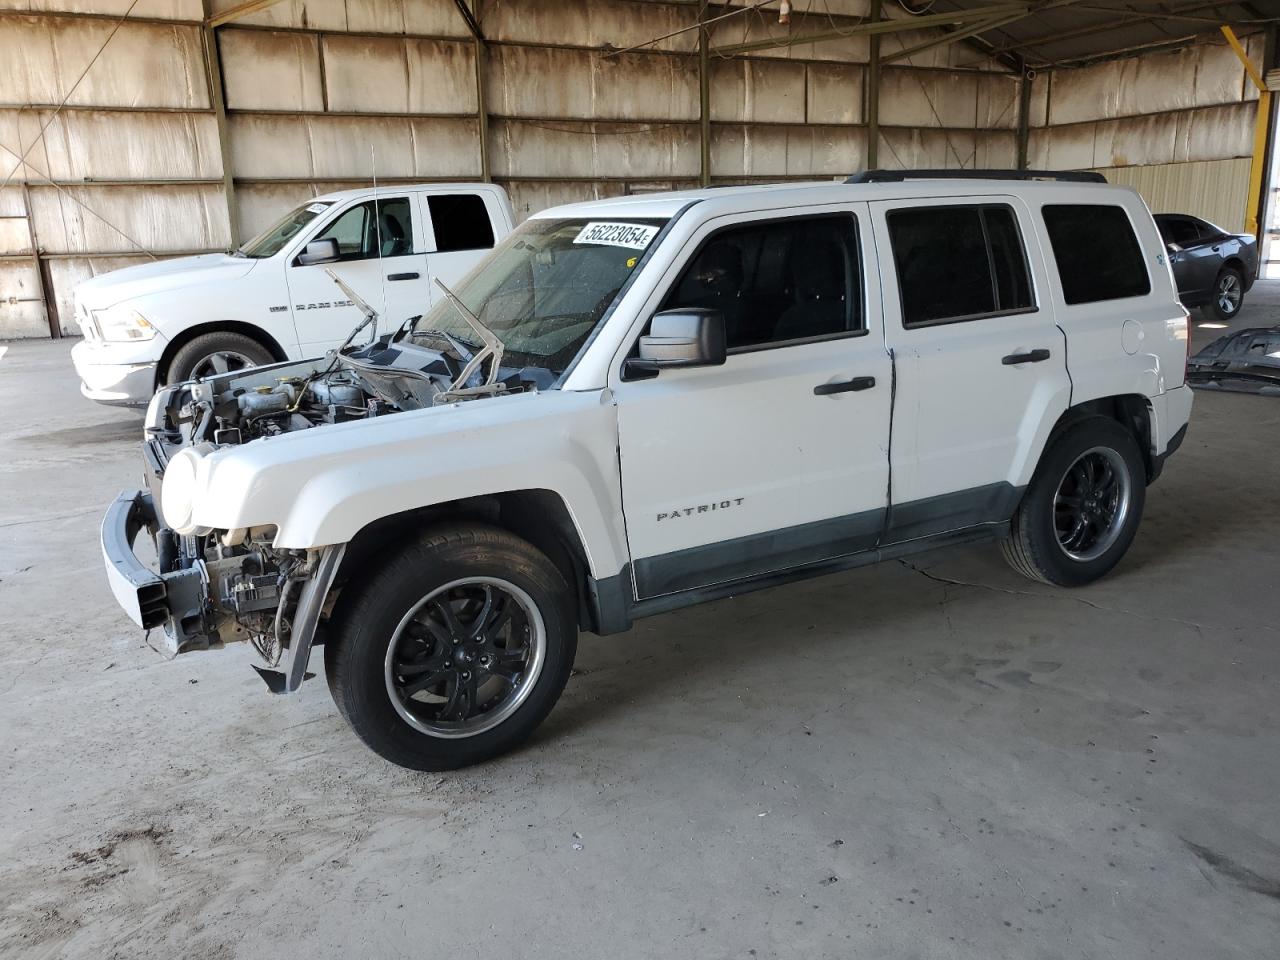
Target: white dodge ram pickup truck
<point>643,403</point>
<point>191,317</point>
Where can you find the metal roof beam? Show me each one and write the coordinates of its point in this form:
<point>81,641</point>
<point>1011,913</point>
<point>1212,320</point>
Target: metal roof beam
<point>869,28</point>
<point>469,18</point>
<point>982,26</point>
<point>1125,18</point>
<point>238,11</point>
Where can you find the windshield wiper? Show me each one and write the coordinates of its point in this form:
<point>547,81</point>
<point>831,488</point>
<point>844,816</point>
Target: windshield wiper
<point>492,348</point>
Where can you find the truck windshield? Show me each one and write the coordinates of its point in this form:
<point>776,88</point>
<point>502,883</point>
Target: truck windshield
<point>544,288</point>
<point>270,241</point>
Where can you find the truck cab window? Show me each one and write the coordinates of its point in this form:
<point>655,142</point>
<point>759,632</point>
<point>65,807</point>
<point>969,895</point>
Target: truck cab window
<point>372,229</point>
<point>461,222</point>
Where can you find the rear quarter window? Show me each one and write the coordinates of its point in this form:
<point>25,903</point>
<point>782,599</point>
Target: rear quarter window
<point>460,221</point>
<point>1096,251</point>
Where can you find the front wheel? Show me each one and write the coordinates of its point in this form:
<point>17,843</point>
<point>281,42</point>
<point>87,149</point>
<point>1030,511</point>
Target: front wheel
<point>454,650</point>
<point>1081,511</point>
<point>1228,294</point>
<point>211,354</point>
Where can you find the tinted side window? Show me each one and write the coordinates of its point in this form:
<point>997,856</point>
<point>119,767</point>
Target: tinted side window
<point>461,222</point>
<point>958,263</point>
<point>360,229</point>
<point>1179,231</point>
<point>1097,252</point>
<point>777,281</point>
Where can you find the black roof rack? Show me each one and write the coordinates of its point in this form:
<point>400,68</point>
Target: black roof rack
<point>897,176</point>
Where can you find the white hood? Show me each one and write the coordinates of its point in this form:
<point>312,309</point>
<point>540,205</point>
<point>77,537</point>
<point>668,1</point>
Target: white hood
<point>148,278</point>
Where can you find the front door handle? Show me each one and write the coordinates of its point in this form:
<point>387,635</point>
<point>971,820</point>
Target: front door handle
<point>844,386</point>
<point>402,276</point>
<point>1031,356</point>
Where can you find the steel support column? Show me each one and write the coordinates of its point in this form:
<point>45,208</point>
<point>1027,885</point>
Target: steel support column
<point>1261,137</point>
<point>480,49</point>
<point>704,96</point>
<point>1025,78</point>
<point>43,287</point>
<point>872,112</point>
<point>213,78</point>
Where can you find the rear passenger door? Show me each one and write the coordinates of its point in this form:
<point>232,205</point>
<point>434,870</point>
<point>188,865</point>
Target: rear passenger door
<point>460,233</point>
<point>980,363</point>
<point>1197,263</point>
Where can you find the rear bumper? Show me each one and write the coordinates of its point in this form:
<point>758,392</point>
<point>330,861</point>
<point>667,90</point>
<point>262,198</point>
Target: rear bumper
<point>119,384</point>
<point>1171,415</point>
<point>175,601</point>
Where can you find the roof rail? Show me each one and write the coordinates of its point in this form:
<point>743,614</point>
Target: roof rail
<point>896,176</point>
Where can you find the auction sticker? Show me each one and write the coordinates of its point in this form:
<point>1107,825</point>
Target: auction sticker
<point>635,236</point>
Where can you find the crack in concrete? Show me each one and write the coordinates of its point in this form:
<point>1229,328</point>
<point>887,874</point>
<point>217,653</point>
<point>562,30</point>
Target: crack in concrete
<point>1199,628</point>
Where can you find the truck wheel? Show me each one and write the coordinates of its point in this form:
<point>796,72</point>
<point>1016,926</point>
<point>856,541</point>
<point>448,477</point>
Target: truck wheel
<point>1228,294</point>
<point>1083,506</point>
<point>454,650</point>
<point>213,353</point>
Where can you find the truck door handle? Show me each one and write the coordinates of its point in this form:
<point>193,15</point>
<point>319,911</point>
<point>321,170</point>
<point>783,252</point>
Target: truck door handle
<point>402,276</point>
<point>1031,356</point>
<point>844,386</point>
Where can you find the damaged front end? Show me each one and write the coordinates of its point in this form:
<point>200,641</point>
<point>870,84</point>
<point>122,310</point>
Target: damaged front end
<point>210,590</point>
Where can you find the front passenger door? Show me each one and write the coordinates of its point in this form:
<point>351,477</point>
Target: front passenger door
<point>778,458</point>
<point>381,260</point>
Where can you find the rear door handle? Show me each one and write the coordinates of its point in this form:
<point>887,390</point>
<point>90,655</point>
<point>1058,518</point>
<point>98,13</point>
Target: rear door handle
<point>844,386</point>
<point>1031,356</point>
<point>402,276</point>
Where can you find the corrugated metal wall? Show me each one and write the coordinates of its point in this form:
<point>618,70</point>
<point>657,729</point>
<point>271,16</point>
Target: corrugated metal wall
<point>1216,190</point>
<point>134,161</point>
<point>1176,126</point>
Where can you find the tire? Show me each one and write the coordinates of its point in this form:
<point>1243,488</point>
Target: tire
<point>391,634</point>
<point>219,352</point>
<point>1040,546</point>
<point>1228,295</point>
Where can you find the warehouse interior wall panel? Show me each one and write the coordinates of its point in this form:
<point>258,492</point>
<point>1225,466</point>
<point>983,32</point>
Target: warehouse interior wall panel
<point>113,144</point>
<point>551,82</point>
<point>1217,190</point>
<point>120,219</point>
<point>264,70</point>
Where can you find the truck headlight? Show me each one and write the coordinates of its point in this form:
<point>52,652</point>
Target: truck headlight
<point>178,491</point>
<point>123,323</point>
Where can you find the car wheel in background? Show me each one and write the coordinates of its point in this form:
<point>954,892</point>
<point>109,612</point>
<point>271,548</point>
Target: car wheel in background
<point>214,353</point>
<point>1081,511</point>
<point>453,650</point>
<point>1228,294</point>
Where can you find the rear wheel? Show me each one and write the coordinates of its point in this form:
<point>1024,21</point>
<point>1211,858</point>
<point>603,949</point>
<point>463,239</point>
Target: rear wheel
<point>1082,508</point>
<point>455,650</point>
<point>1228,294</point>
<point>213,353</point>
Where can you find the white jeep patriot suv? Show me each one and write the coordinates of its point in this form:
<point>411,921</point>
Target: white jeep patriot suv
<point>638,404</point>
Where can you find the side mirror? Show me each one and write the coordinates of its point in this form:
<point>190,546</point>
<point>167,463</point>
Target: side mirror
<point>684,337</point>
<point>319,251</point>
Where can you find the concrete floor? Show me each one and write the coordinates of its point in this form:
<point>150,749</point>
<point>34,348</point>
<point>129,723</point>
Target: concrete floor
<point>894,762</point>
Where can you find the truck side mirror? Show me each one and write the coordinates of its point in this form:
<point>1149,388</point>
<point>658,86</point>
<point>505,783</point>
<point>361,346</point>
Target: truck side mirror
<point>684,337</point>
<point>319,251</point>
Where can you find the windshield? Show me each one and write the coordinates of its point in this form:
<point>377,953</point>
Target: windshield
<point>269,242</point>
<point>544,289</point>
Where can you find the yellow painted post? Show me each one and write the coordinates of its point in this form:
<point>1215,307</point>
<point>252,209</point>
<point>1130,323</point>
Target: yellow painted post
<point>1261,132</point>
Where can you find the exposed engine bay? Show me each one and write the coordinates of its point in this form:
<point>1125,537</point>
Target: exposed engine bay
<point>234,584</point>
